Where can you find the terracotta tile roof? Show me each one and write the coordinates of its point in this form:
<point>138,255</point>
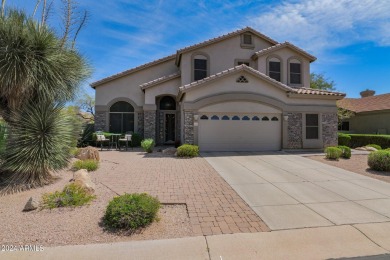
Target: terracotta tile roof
<point>127,72</point>
<point>225,36</point>
<point>284,45</point>
<point>160,80</point>
<point>310,91</point>
<point>367,104</point>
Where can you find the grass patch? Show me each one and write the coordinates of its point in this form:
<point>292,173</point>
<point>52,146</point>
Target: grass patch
<point>89,165</point>
<point>71,196</point>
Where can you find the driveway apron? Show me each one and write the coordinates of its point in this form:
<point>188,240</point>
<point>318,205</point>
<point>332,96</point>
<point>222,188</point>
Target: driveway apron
<point>289,191</point>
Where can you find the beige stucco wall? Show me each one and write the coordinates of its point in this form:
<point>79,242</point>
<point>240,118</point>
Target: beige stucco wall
<point>128,86</point>
<point>229,85</point>
<point>170,87</point>
<point>369,123</point>
<point>222,56</point>
<point>284,55</point>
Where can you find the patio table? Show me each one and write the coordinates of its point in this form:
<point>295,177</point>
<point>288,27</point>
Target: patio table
<point>114,140</point>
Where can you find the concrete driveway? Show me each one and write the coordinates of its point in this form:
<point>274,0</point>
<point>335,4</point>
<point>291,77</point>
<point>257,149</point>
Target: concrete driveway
<point>290,191</point>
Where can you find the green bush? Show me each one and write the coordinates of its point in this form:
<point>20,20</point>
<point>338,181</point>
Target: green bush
<point>333,152</point>
<point>90,165</point>
<point>346,151</point>
<point>136,140</point>
<point>378,147</point>
<point>71,196</point>
<point>131,211</point>
<point>188,150</point>
<point>74,151</point>
<point>344,139</point>
<point>358,140</point>
<point>148,145</point>
<point>379,160</point>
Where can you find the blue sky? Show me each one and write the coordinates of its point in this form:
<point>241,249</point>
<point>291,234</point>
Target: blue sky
<point>350,38</point>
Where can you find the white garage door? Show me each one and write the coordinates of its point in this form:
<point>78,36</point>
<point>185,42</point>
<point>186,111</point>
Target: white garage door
<point>239,132</point>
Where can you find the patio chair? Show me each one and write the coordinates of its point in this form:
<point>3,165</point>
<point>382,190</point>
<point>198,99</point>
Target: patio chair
<point>100,138</point>
<point>126,140</point>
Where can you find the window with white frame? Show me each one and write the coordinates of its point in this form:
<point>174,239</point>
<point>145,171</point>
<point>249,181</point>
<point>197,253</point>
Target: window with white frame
<point>200,67</point>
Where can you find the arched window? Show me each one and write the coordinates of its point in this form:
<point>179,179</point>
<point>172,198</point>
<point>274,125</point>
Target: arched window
<point>295,68</point>
<point>265,118</point>
<point>235,118</point>
<point>167,103</point>
<point>274,119</point>
<point>245,118</point>
<point>121,117</point>
<point>214,117</point>
<point>200,63</point>
<point>225,118</point>
<point>204,117</point>
<point>255,118</point>
<point>275,69</point>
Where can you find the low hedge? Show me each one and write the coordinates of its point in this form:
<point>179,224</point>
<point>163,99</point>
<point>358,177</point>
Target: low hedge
<point>379,160</point>
<point>358,140</point>
<point>344,139</point>
<point>333,153</point>
<point>346,151</point>
<point>188,150</point>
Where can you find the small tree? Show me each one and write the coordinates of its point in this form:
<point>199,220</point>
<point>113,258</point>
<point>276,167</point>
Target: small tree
<point>318,81</point>
<point>86,106</point>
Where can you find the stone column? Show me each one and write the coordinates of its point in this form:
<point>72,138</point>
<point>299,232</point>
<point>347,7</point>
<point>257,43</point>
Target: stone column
<point>150,124</point>
<point>100,121</point>
<point>329,129</point>
<point>140,118</point>
<point>294,131</point>
<point>189,127</point>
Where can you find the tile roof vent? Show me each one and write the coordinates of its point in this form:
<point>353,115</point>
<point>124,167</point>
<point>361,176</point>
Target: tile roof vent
<point>367,93</point>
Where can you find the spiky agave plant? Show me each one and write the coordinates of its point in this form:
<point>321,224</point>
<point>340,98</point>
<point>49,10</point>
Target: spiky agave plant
<point>40,137</point>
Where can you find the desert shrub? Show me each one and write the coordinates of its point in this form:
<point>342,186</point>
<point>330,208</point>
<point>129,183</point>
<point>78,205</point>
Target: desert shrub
<point>346,151</point>
<point>379,160</point>
<point>358,140</point>
<point>136,140</point>
<point>344,139</point>
<point>86,136</point>
<point>378,147</point>
<point>131,211</point>
<point>148,145</point>
<point>71,196</point>
<point>74,151</point>
<point>89,165</point>
<point>188,150</point>
<point>333,152</point>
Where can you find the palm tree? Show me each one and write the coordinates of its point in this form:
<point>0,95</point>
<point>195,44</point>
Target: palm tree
<point>38,71</point>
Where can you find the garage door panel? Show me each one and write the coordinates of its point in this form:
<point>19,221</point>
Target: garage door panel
<point>240,135</point>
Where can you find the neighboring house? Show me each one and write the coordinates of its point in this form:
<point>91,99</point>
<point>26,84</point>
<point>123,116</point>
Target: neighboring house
<point>242,91</point>
<point>371,113</point>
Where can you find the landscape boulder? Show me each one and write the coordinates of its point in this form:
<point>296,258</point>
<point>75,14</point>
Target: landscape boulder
<point>31,204</point>
<point>83,179</point>
<point>88,152</point>
<point>169,151</point>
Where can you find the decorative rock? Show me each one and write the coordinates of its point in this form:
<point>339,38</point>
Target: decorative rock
<point>371,149</point>
<point>88,152</point>
<point>169,151</point>
<point>361,148</point>
<point>83,179</point>
<point>31,205</point>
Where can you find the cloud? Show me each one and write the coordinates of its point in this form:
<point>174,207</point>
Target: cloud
<point>322,25</point>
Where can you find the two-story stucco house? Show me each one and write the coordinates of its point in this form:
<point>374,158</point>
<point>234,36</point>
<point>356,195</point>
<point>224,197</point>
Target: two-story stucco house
<point>242,91</point>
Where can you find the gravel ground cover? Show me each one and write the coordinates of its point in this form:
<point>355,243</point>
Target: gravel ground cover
<point>357,163</point>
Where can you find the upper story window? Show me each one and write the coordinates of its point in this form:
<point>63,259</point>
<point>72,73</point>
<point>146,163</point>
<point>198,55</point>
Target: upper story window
<point>200,67</point>
<point>238,62</point>
<point>295,68</point>
<point>247,41</point>
<point>275,69</point>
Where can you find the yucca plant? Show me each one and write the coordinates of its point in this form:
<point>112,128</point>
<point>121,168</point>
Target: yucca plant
<point>39,140</point>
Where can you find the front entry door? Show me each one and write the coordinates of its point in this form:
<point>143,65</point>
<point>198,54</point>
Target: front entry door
<point>170,128</point>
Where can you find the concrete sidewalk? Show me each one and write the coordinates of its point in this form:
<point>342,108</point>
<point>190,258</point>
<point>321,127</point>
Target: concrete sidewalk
<point>309,243</point>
